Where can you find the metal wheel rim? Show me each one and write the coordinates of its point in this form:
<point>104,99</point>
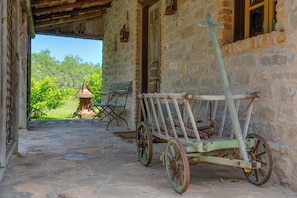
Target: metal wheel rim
<point>260,153</point>
<point>177,165</point>
<point>144,144</point>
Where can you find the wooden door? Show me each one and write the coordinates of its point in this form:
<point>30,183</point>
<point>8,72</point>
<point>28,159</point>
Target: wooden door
<point>153,58</point>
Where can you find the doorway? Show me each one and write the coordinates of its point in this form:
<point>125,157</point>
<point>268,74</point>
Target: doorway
<point>151,77</point>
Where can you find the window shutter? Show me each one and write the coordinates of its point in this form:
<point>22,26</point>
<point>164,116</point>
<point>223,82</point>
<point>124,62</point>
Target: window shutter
<point>238,20</point>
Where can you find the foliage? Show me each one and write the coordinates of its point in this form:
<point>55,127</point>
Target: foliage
<point>45,95</point>
<point>68,73</point>
<point>94,82</point>
<point>53,80</point>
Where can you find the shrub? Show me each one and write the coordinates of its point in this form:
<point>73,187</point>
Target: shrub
<point>94,82</point>
<point>45,95</point>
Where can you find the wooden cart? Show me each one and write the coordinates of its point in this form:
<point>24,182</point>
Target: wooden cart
<point>202,129</point>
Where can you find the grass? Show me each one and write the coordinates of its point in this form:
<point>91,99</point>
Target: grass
<point>63,113</point>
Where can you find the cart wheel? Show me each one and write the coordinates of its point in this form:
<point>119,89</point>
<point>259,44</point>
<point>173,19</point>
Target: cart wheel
<point>177,165</point>
<point>260,153</point>
<point>144,144</point>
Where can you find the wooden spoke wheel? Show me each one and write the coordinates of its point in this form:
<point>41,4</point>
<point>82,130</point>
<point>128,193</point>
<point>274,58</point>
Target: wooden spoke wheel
<point>177,165</point>
<point>144,144</point>
<point>260,152</point>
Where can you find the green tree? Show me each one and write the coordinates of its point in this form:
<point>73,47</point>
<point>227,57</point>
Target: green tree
<point>45,95</point>
<point>94,82</point>
<point>43,65</point>
<point>68,73</point>
<point>71,71</point>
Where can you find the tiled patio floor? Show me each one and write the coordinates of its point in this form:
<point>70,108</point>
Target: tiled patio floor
<point>80,159</point>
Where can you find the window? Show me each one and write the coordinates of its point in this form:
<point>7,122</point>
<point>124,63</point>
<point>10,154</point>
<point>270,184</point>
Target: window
<point>253,17</point>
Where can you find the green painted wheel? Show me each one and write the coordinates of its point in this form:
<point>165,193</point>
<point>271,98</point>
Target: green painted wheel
<point>177,165</point>
<point>260,152</point>
<point>144,144</point>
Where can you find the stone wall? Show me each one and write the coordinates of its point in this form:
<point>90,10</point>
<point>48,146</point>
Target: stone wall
<point>121,60</point>
<point>265,63</point>
<point>188,56</point>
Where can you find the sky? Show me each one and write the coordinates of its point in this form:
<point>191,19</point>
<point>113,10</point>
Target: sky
<point>87,50</point>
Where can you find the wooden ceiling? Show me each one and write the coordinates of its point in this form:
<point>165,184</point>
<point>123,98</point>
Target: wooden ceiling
<point>49,15</point>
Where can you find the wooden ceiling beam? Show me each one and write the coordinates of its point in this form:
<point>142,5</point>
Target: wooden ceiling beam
<point>37,3</point>
<point>97,9</point>
<point>71,34</point>
<point>46,2</point>
<point>53,27</point>
<point>66,20</point>
<point>63,7</point>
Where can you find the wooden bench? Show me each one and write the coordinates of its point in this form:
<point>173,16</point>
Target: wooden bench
<point>116,102</point>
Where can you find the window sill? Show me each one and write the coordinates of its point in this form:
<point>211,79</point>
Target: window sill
<point>256,42</point>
